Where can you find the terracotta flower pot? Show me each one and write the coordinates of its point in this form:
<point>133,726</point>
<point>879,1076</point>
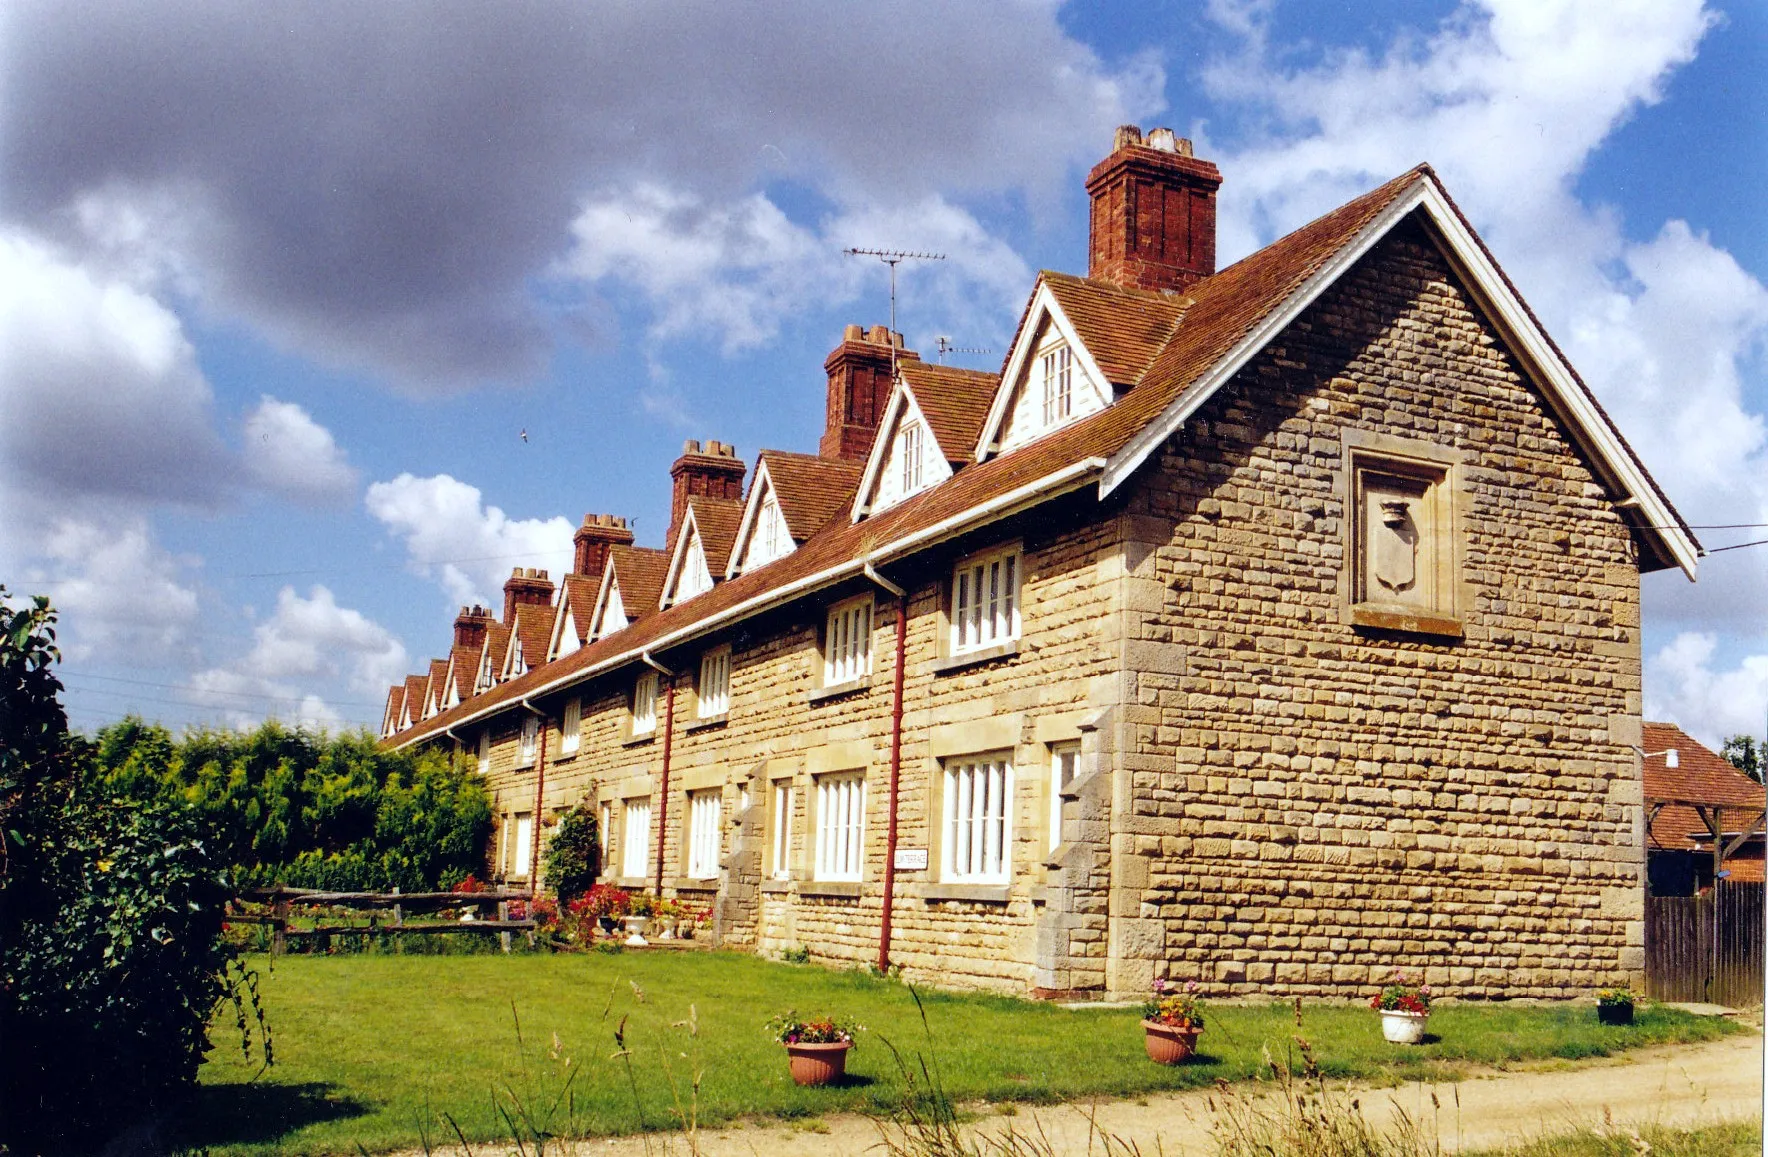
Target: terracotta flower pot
<point>1169,1044</point>
<point>818,1064</point>
<point>1614,1013</point>
<point>1401,1027</point>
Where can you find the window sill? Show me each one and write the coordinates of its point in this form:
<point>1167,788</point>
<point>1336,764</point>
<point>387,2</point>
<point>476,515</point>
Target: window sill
<point>642,737</point>
<point>694,884</point>
<point>1405,622</point>
<point>776,887</point>
<point>843,889</point>
<point>979,655</point>
<point>837,690</point>
<point>967,893</point>
<point>702,724</point>
<point>567,756</point>
<point>632,883</point>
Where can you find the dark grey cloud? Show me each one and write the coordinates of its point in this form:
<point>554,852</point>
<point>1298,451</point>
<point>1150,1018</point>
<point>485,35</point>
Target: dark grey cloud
<point>378,185</point>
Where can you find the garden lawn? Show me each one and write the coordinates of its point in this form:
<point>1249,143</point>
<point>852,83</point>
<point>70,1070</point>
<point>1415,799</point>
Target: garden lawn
<point>388,1052</point>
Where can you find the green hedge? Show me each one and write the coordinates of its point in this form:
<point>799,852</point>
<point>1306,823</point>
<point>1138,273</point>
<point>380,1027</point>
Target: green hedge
<point>294,807</point>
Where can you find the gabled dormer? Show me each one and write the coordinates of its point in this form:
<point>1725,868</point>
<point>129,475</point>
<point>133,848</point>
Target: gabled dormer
<point>929,428</point>
<point>1051,379</point>
<point>390,718</point>
<point>491,656</point>
<point>610,607</point>
<point>412,709</point>
<point>702,548</point>
<point>632,583</point>
<point>571,619</point>
<point>763,535</point>
<point>527,640</point>
<point>434,687</point>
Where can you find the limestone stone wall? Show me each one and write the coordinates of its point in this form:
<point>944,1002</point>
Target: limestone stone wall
<point>1315,803</point>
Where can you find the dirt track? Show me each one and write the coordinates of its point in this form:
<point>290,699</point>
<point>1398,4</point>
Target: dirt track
<point>1680,1085</point>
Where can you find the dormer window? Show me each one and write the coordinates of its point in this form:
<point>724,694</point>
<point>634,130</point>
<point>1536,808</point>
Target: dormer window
<point>1056,368</point>
<point>908,456</point>
<point>770,528</point>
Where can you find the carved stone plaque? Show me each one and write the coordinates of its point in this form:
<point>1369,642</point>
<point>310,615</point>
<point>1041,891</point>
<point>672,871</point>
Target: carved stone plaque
<point>1395,539</point>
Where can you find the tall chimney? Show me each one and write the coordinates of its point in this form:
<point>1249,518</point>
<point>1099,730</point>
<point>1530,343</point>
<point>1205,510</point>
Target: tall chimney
<point>599,534</point>
<point>712,470</point>
<point>859,389</point>
<point>1154,219</point>
<point>470,626</point>
<point>524,587</point>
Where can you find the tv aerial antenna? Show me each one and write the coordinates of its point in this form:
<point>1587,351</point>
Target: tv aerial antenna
<point>893,258</point>
<point>947,346</point>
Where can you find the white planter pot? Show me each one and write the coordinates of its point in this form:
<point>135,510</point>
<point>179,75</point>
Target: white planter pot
<point>1403,1028</point>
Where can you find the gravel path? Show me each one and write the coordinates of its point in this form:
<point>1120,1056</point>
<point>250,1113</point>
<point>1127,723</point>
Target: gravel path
<point>1679,1085</point>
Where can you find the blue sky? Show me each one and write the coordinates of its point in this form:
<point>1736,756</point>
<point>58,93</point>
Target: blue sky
<point>277,298</point>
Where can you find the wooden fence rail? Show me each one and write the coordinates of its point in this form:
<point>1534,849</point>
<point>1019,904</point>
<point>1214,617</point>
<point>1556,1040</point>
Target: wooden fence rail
<point>1706,948</point>
<point>281,903</point>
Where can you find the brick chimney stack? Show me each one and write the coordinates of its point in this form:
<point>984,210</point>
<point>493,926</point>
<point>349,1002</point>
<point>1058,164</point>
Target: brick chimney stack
<point>1154,217</point>
<point>525,586</point>
<point>470,626</point>
<point>599,534</point>
<point>859,389</point>
<point>712,470</point>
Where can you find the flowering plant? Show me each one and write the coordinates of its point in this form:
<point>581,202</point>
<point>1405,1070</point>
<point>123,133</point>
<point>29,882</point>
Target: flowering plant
<point>1175,1006</point>
<point>469,886</point>
<point>642,905</point>
<point>543,912</point>
<point>601,900</point>
<point>1402,995</point>
<point>1618,995</point>
<point>829,1030</point>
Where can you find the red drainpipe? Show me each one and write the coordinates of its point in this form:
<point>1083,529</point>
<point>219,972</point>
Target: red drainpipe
<point>663,801</point>
<point>902,636</point>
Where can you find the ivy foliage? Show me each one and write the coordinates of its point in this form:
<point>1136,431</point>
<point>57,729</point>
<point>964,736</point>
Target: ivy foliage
<point>574,855</point>
<point>111,955</point>
<point>293,807</point>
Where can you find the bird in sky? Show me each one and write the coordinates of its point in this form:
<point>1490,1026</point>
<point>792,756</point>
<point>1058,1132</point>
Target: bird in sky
<point>524,435</point>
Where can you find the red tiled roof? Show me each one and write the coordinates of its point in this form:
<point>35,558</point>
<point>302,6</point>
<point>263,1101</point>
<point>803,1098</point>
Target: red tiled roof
<point>1701,776</point>
<point>640,571</point>
<point>395,702</point>
<point>434,684</point>
<point>717,520</point>
<point>497,642</point>
<point>533,628</point>
<point>463,670</point>
<point>955,403</point>
<point>577,592</point>
<point>1123,329</point>
<point>810,490</point>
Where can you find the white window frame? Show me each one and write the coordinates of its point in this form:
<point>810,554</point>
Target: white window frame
<point>712,693</point>
<point>605,835</point>
<point>908,456</point>
<point>840,826</point>
<point>529,743</point>
<point>1064,766</point>
<point>770,528</point>
<point>785,797</point>
<point>485,752</point>
<point>635,836</point>
<point>522,854</point>
<point>847,642</point>
<point>644,703</point>
<point>705,815</point>
<point>1056,369</point>
<point>571,727</point>
<point>976,833</point>
<point>985,600</point>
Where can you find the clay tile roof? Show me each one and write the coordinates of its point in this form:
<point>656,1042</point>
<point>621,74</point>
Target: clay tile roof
<point>1224,308</point>
<point>438,678</point>
<point>717,520</point>
<point>1123,329</point>
<point>463,669</point>
<point>640,571</point>
<point>497,641</point>
<point>955,403</point>
<point>1701,776</point>
<point>811,490</point>
<point>395,701</point>
<point>415,685</point>
<point>534,629</point>
<point>578,592</point>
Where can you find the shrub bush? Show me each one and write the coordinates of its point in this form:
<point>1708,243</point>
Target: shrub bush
<point>574,855</point>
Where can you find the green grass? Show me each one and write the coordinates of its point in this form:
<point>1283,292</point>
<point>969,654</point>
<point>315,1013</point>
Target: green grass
<point>383,1051</point>
<point>1738,1139</point>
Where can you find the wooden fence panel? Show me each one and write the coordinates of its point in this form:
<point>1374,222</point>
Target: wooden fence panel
<point>1706,948</point>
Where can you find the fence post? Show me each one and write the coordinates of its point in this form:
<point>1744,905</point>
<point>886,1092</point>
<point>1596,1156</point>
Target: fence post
<point>398,911</point>
<point>279,931</point>
<point>503,914</point>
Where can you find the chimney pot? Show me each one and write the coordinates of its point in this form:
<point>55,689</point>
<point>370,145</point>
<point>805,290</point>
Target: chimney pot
<point>854,333</point>
<point>1162,139</point>
<point>1127,135</point>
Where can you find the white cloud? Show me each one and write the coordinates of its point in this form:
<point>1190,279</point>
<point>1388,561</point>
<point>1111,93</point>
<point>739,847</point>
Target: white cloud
<point>306,641</point>
<point>121,596</point>
<point>288,453</point>
<point>467,546</point>
<point>101,398</point>
<point>1683,687</point>
<point>738,269</point>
